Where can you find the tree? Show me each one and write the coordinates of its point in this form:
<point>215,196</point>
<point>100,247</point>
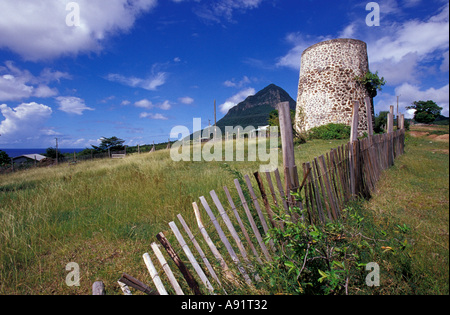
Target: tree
<point>372,82</point>
<point>113,144</point>
<point>4,158</point>
<point>426,112</point>
<point>51,153</point>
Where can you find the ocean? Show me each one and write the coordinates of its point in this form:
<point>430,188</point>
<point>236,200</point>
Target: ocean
<point>18,152</point>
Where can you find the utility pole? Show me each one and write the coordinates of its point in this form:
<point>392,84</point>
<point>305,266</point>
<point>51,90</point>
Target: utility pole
<point>398,114</point>
<point>215,119</point>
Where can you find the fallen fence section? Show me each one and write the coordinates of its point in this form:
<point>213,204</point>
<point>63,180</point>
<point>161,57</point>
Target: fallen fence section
<point>226,248</point>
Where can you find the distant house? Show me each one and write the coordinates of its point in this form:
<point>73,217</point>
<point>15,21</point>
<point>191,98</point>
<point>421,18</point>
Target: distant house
<point>28,158</point>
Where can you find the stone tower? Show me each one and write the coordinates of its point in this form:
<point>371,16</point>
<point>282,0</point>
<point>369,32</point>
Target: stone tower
<point>327,85</point>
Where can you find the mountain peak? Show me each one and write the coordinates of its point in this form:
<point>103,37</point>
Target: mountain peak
<point>255,109</point>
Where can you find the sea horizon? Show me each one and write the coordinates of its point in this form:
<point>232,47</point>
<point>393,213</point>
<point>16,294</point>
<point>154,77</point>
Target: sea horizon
<point>12,153</point>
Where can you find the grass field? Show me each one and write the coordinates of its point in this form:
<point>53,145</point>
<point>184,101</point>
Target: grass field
<point>104,214</point>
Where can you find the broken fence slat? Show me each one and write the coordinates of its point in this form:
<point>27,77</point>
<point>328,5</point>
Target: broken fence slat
<point>191,257</point>
<point>136,284</point>
<point>199,249</point>
<point>241,225</point>
<point>210,243</point>
<point>181,266</point>
<point>252,221</point>
<point>154,274</point>
<point>224,240</point>
<point>167,269</point>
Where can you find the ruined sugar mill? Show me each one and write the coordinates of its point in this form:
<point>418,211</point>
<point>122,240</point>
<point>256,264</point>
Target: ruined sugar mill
<point>327,85</point>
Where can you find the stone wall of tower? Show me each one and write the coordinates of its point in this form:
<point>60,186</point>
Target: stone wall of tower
<point>327,85</point>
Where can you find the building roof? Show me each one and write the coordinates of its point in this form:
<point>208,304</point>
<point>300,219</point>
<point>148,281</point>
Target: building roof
<point>37,157</point>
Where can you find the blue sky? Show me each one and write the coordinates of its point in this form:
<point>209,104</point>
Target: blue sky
<point>136,68</point>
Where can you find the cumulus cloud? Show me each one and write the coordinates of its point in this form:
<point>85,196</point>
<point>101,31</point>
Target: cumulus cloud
<point>409,93</point>
<point>72,105</point>
<point>37,30</point>
<point>24,122</point>
<point>17,84</point>
<point>236,99</point>
<point>153,116</point>
<point>186,100</point>
<point>145,103</point>
<point>151,83</point>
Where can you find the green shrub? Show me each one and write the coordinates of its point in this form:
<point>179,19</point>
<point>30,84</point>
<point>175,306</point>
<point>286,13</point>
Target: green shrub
<point>330,131</point>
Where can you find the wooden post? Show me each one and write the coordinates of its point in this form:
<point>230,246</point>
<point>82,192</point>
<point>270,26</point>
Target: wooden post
<point>287,143</point>
<point>369,117</point>
<point>355,120</point>
<point>402,121</point>
<point>391,119</point>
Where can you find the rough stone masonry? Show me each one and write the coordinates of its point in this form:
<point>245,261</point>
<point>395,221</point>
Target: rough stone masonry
<point>327,85</point>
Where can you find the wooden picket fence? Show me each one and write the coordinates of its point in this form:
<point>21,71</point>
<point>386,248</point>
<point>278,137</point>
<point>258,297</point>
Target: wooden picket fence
<point>225,249</point>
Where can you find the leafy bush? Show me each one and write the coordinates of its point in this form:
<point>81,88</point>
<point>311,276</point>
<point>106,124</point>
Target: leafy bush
<point>331,258</point>
<point>330,131</point>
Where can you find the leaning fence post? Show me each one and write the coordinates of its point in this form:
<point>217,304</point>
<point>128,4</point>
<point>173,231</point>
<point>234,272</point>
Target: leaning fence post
<point>353,138</point>
<point>287,144</point>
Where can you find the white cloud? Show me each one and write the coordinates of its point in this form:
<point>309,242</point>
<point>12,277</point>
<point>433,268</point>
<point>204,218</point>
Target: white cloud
<point>151,83</point>
<point>410,93</point>
<point>214,11</point>
<point>232,83</point>
<point>153,116</point>
<point>186,100</point>
<point>145,103</point>
<point>299,42</point>
<point>24,122</point>
<point>236,99</point>
<point>17,84</point>
<point>72,105</point>
<point>37,30</point>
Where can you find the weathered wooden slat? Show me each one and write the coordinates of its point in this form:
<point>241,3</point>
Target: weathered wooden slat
<point>241,224</point>
<point>326,179</point>
<point>224,240</point>
<point>136,284</point>
<point>167,269</point>
<point>258,209</point>
<point>154,275</point>
<point>252,221</point>
<point>322,189</point>
<point>210,243</point>
<point>272,190</point>
<point>269,211</point>
<point>181,266</point>
<point>199,249</point>
<point>125,289</point>
<point>191,257</point>
<point>281,191</point>
<point>229,225</point>
<point>316,192</point>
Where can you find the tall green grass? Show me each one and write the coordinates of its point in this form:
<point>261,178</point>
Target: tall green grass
<point>104,214</point>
